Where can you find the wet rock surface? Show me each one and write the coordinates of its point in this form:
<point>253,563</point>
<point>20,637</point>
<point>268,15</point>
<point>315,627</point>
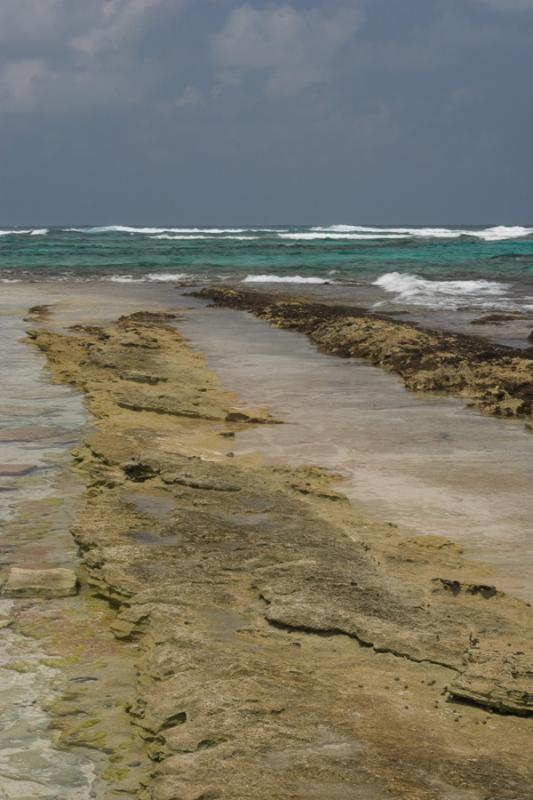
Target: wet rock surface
<point>286,647</point>
<point>495,379</point>
<point>65,681</point>
<point>15,470</point>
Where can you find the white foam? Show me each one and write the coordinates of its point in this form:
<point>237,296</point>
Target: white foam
<point>282,279</point>
<point>166,277</point>
<point>154,277</point>
<point>119,229</point>
<point>501,232</point>
<point>29,231</point>
<point>124,279</point>
<point>413,290</point>
<point>391,232</point>
<point>207,230</point>
<point>192,236</point>
<point>342,228</point>
<point>189,237</point>
<point>167,230</point>
<point>311,235</point>
<point>221,230</point>
<point>496,233</point>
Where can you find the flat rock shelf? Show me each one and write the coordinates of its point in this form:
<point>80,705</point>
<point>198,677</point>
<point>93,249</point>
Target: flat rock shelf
<point>285,645</point>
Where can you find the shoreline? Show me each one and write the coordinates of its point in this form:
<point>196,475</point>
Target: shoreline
<point>197,551</point>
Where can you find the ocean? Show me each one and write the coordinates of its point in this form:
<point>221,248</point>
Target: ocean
<point>446,268</point>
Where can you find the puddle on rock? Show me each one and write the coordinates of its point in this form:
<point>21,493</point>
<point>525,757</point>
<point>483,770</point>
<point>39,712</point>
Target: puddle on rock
<point>154,505</point>
<point>158,539</point>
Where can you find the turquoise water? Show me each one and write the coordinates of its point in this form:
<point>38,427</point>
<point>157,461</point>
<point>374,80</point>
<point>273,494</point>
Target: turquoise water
<point>440,267</point>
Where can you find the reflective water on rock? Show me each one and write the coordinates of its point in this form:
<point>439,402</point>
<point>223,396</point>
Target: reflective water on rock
<point>37,421</point>
<point>426,463</point>
<point>30,765</point>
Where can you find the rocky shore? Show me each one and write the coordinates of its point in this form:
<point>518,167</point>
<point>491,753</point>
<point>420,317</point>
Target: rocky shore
<point>495,379</point>
<point>287,647</point>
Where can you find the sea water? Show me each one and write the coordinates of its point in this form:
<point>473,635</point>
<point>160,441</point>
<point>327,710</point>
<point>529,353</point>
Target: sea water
<point>457,268</point>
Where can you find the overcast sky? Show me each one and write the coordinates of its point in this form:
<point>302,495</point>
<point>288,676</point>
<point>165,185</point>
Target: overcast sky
<point>216,111</point>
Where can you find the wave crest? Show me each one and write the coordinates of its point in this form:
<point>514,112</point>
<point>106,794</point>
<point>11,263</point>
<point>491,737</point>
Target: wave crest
<point>493,234</point>
<point>194,236</point>
<point>283,279</point>
<point>150,277</point>
<point>322,235</point>
<point>413,290</point>
<point>27,232</point>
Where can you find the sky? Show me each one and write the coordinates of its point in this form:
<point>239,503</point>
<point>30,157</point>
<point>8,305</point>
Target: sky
<point>221,111</point>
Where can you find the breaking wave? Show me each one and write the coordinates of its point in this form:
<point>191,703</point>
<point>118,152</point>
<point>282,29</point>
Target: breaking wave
<point>493,234</point>
<point>28,232</point>
<point>190,237</point>
<point>330,234</point>
<point>153,277</point>
<point>413,290</point>
<point>501,232</point>
<point>193,236</point>
<point>117,229</point>
<point>165,230</point>
<point>282,279</point>
<point>124,279</point>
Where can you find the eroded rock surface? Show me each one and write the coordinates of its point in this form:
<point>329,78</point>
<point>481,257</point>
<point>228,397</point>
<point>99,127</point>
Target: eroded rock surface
<point>289,648</point>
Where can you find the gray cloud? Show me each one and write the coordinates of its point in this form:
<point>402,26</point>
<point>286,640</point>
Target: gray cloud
<point>507,5</point>
<point>60,56</point>
<point>20,82</point>
<point>294,47</point>
<point>30,22</point>
<point>280,110</point>
<point>118,22</point>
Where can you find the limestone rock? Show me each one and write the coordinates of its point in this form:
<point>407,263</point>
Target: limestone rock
<point>500,681</point>
<point>45,583</point>
<point>256,417</point>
